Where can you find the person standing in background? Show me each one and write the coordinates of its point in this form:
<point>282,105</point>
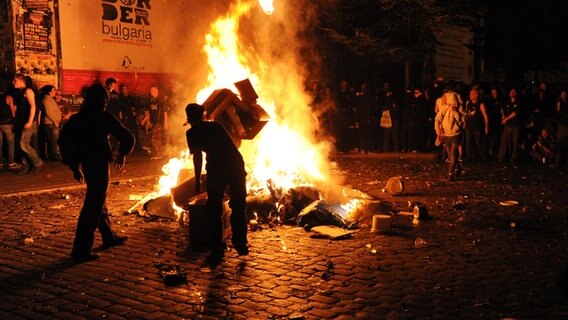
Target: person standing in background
<point>51,121</point>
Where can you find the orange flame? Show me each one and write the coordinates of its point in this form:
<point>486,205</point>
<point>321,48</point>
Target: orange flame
<point>267,6</point>
<point>285,153</point>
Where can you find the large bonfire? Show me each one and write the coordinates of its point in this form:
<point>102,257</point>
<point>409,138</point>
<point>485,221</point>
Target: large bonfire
<point>285,154</point>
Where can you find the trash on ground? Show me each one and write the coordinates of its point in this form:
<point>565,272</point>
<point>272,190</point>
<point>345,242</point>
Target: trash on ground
<point>394,186</point>
<point>419,212</point>
<point>173,278</point>
<point>458,205</point>
<point>419,242</point>
<point>381,223</point>
<point>365,211</point>
<point>508,203</point>
<point>332,232</point>
<point>161,207</point>
<point>320,213</point>
<point>172,274</point>
<point>253,225</point>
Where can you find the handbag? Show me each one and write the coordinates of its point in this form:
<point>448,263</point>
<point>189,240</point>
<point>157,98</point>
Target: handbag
<point>386,121</point>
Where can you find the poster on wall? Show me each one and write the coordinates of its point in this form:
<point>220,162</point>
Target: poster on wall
<point>35,53</point>
<point>36,4</point>
<point>37,29</point>
<point>6,46</point>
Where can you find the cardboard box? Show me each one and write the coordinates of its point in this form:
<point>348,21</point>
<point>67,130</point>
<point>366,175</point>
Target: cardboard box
<point>198,225</point>
<point>243,119</point>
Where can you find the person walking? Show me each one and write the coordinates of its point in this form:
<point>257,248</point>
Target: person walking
<point>86,150</point>
<point>448,125</point>
<point>26,122</point>
<point>225,167</point>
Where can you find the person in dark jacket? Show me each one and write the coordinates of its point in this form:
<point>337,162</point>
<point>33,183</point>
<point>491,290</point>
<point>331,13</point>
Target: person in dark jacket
<point>225,167</point>
<point>85,148</point>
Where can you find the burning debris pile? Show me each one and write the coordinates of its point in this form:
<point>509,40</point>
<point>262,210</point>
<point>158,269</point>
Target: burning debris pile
<point>290,178</point>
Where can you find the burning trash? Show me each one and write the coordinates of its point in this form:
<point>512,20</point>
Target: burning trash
<point>320,213</point>
<point>243,119</point>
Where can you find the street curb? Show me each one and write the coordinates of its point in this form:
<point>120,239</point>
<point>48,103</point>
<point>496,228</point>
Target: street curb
<point>72,188</point>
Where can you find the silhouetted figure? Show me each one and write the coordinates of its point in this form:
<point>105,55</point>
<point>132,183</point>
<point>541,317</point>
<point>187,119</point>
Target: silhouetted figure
<point>26,121</point>
<point>85,148</point>
<point>225,167</point>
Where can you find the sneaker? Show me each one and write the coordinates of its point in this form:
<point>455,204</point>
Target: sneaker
<point>460,159</point>
<point>14,165</point>
<point>117,241</point>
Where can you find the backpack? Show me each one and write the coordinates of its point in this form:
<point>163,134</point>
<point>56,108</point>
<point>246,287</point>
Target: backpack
<point>69,144</point>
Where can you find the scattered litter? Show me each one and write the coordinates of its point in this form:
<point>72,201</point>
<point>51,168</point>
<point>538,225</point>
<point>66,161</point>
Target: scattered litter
<point>508,203</point>
<point>458,205</point>
<point>330,265</point>
<point>371,249</point>
<point>320,213</point>
<point>65,196</point>
<point>28,240</point>
<point>332,232</point>
<point>394,186</point>
<point>419,242</point>
<point>161,207</point>
<point>57,207</point>
<point>326,275</point>
<point>513,225</point>
<point>253,225</point>
<point>135,197</point>
<point>174,277</point>
<point>381,223</point>
<point>419,212</point>
<point>172,274</point>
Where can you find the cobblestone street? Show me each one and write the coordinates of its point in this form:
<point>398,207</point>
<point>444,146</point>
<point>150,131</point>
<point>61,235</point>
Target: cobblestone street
<point>475,259</point>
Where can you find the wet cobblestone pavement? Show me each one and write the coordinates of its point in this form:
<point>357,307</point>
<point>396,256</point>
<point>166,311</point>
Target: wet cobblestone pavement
<point>475,259</point>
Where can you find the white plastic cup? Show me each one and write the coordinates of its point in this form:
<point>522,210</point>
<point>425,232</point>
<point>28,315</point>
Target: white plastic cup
<point>381,223</point>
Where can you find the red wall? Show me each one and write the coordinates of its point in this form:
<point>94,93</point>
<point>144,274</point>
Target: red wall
<point>138,82</point>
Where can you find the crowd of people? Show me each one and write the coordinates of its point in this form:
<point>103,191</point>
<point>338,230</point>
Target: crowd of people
<point>31,118</point>
<point>504,123</point>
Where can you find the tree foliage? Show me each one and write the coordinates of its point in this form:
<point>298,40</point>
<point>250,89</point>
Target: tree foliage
<point>399,30</point>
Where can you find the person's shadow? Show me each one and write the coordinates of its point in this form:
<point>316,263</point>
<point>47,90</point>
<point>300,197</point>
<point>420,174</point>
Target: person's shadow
<point>216,291</point>
<point>25,278</point>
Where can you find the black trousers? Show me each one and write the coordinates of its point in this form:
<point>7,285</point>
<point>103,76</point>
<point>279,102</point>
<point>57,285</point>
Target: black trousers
<point>216,185</point>
<point>94,214</point>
